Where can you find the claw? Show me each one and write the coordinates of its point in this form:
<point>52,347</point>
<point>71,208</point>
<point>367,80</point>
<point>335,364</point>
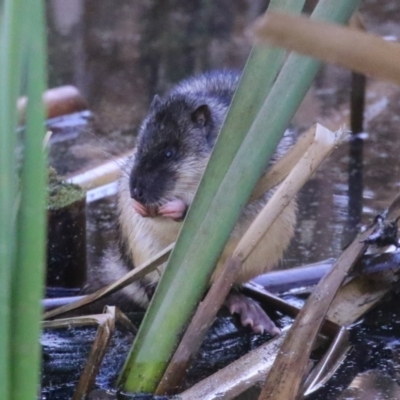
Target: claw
<point>258,329</point>
<point>251,314</point>
<point>140,208</point>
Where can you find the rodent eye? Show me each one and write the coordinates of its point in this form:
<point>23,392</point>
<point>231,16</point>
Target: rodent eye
<point>168,154</point>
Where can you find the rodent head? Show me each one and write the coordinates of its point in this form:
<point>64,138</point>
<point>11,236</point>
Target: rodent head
<point>173,147</point>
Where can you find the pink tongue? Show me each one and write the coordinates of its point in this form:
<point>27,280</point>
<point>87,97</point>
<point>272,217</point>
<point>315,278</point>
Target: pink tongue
<point>174,209</point>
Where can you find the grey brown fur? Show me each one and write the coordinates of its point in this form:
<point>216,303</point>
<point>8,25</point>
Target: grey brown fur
<point>173,147</point>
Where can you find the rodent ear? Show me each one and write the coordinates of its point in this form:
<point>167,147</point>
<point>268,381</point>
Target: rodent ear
<point>156,102</point>
<point>201,115</point>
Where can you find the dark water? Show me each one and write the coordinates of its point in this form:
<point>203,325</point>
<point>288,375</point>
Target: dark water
<point>119,54</point>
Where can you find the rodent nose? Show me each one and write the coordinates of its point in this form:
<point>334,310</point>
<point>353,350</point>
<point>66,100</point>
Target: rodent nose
<point>137,193</point>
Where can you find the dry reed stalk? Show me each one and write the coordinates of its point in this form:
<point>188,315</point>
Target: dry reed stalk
<point>362,52</point>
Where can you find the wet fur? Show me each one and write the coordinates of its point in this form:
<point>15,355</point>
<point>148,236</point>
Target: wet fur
<point>168,125</point>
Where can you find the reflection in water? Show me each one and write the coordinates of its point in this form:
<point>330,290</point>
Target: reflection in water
<point>357,107</point>
<point>372,385</point>
<point>355,186</point>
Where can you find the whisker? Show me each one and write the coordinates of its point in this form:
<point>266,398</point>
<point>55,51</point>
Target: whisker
<point>103,140</point>
<point>123,165</point>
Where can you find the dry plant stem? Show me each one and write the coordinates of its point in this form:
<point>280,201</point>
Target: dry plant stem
<point>329,363</point>
<point>106,326</point>
<point>286,376</point>
<point>234,379</point>
<point>324,143</point>
<point>394,209</point>
<point>96,355</point>
<point>357,22</point>
<point>358,51</point>
<point>97,352</point>
<point>130,277</point>
<point>101,175</point>
<point>269,301</point>
<point>239,376</point>
<point>360,294</point>
<point>90,320</point>
<point>280,170</point>
<point>353,300</point>
<point>99,348</point>
<point>198,327</point>
<point>226,384</point>
<point>203,236</point>
<point>272,178</point>
<point>124,321</point>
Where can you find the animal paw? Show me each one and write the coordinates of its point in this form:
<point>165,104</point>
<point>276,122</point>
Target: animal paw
<point>251,314</point>
<point>149,211</point>
<point>140,208</point>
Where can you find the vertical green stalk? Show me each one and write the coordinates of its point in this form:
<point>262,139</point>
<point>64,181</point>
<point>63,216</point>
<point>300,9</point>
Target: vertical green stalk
<point>27,285</point>
<point>215,208</point>
<point>10,68</point>
<point>153,348</point>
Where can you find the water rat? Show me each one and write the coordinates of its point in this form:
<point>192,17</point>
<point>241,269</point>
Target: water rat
<point>173,146</point>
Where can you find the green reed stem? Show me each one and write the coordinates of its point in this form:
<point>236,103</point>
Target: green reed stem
<point>10,69</point>
<point>205,230</point>
<point>27,286</point>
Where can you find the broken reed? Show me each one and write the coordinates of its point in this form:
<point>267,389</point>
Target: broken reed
<point>22,198</point>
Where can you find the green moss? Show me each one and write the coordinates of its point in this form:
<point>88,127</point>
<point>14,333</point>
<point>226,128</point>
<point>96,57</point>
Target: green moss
<point>60,193</point>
